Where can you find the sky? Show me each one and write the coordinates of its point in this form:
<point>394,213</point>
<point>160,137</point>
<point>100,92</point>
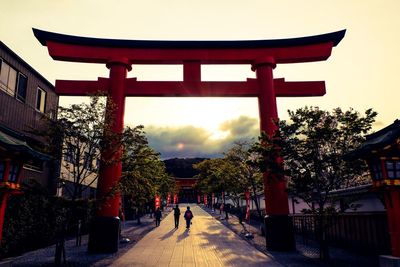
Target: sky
<point>361,73</point>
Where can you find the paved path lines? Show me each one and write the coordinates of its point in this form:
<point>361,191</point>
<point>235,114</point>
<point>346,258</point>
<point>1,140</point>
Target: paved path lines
<point>207,243</point>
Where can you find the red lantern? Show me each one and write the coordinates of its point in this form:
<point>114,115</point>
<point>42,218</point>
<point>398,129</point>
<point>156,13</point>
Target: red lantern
<point>169,199</point>
<point>157,202</point>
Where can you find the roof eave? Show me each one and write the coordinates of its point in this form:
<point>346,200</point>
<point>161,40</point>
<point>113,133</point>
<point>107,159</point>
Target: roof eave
<point>44,36</point>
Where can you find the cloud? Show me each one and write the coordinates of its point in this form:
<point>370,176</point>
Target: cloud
<point>242,126</point>
<point>191,141</point>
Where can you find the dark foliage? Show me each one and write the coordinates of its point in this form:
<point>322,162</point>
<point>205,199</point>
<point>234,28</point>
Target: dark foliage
<point>35,219</point>
<point>182,168</point>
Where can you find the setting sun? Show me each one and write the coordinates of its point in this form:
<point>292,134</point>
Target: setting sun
<point>180,146</point>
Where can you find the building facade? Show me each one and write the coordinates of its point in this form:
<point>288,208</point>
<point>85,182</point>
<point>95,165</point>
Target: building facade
<point>78,171</point>
<point>25,98</point>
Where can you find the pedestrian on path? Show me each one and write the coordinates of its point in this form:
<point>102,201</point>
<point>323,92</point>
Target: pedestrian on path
<point>188,217</point>
<point>157,215</point>
<point>177,213</point>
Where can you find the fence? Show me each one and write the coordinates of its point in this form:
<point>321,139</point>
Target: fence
<point>361,232</point>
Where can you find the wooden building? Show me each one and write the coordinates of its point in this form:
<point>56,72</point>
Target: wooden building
<point>25,97</point>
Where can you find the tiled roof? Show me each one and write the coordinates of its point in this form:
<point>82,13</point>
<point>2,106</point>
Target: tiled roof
<point>377,140</point>
<point>15,143</point>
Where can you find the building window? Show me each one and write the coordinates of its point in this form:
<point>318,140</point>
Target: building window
<point>70,153</point>
<point>13,173</point>
<point>2,165</point>
<point>13,82</point>
<point>21,87</point>
<point>376,170</point>
<point>88,161</point>
<point>393,169</point>
<point>41,100</point>
<point>8,78</point>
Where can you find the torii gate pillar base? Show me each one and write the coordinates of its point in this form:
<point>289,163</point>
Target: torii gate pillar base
<point>279,233</point>
<point>104,235</point>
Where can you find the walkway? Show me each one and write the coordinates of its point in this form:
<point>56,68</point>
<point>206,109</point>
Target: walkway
<point>207,243</point>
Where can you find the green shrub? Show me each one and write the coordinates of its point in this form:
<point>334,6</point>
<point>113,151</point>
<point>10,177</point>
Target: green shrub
<point>36,219</point>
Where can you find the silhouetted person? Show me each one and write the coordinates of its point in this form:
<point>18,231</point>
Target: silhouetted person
<point>157,215</point>
<point>177,213</point>
<point>242,215</point>
<point>188,217</point>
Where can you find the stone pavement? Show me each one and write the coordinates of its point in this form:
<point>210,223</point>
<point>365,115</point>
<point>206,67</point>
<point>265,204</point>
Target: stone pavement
<point>210,242</point>
<point>306,254</point>
<point>77,256</point>
<point>207,243</point>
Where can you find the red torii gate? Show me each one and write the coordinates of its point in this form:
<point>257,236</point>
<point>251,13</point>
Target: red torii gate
<point>119,55</point>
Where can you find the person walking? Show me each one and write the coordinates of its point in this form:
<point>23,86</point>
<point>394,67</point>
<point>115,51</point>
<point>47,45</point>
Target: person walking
<point>188,217</point>
<point>157,215</point>
<point>177,213</point>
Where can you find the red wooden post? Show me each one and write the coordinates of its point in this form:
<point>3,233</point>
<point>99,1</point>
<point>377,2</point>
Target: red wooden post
<point>4,197</point>
<point>279,229</point>
<point>111,166</point>
<point>104,233</point>
<point>7,167</point>
<point>275,195</point>
<point>392,200</point>
<point>3,206</point>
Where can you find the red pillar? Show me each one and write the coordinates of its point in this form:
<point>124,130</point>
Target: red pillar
<point>3,205</point>
<point>111,166</point>
<point>104,231</point>
<point>279,231</point>
<point>4,197</point>
<point>276,198</point>
<point>392,200</point>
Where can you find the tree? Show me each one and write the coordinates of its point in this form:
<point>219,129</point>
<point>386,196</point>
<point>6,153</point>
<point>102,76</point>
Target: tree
<point>144,174</point>
<point>183,168</point>
<point>234,174</point>
<point>312,145</point>
<point>313,149</point>
<point>216,176</point>
<point>76,139</point>
<point>241,156</point>
<point>210,176</point>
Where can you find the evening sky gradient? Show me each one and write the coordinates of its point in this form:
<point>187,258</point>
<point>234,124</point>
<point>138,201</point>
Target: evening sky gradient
<point>361,73</point>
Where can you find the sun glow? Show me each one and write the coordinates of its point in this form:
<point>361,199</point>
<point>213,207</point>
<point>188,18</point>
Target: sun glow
<point>180,146</point>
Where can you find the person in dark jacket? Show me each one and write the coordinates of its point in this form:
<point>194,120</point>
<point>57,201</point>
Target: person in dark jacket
<point>177,213</point>
<point>157,215</point>
<point>188,217</point>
